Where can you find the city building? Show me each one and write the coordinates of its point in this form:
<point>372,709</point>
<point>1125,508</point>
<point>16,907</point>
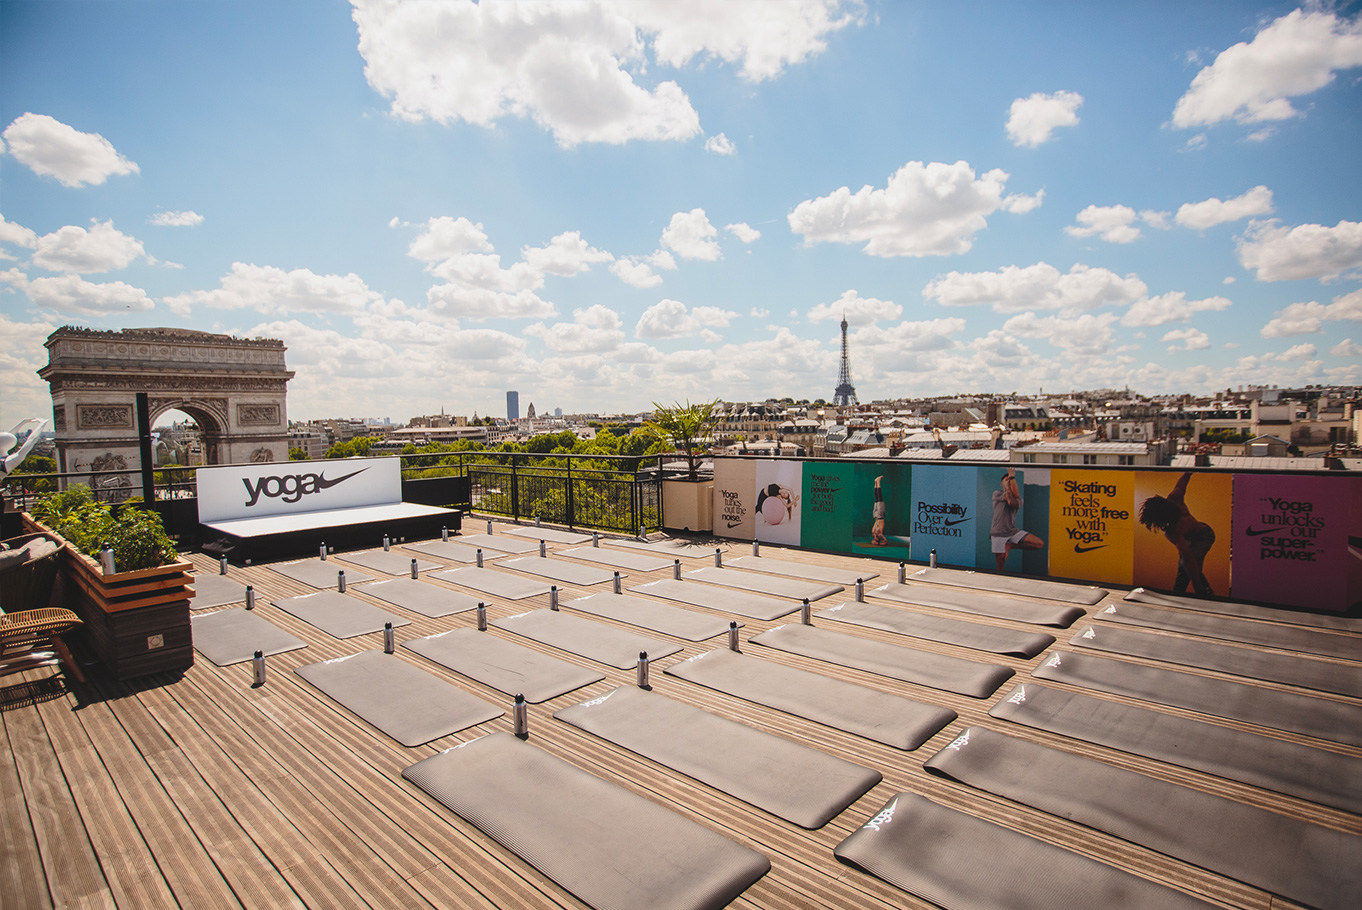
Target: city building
<point>512,405</point>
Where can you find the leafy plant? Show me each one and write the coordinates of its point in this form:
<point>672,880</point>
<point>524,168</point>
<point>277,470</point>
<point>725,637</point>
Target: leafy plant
<point>136,536</point>
<point>685,427</point>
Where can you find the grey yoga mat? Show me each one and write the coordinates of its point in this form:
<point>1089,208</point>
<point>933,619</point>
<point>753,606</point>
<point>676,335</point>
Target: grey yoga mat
<point>800,784</point>
<point>498,543</point>
<point>1320,675</point>
<point>232,636</point>
<point>585,637</point>
<point>611,848</point>
<point>965,601</point>
<point>1322,718</point>
<point>389,562</point>
<point>553,534</point>
<point>1249,611</point>
<point>405,702</point>
<point>960,862</point>
<point>502,665</point>
<point>490,581</point>
<point>420,597</point>
<point>651,615</point>
<point>801,570</point>
<point>339,615</point>
<point>1229,628</point>
<point>560,570</point>
<point>1323,777</point>
<point>755,606</point>
<point>936,671</point>
<point>1087,595</point>
<point>763,584</point>
<point>670,547</point>
<point>889,719</point>
<point>216,591</point>
<point>960,632</point>
<point>1308,863</point>
<point>321,573</point>
<point>446,549</point>
<point>618,559</point>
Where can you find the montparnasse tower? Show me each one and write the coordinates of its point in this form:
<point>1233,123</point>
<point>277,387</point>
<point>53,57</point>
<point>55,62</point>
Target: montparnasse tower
<point>845,394</point>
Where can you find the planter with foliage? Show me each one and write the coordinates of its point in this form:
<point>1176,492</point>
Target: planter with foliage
<point>687,504</point>
<point>137,617</point>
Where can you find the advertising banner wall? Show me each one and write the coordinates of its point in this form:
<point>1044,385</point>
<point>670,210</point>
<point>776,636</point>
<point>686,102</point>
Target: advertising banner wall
<point>889,538</point>
<point>946,515</point>
<point>779,512</point>
<point>1291,540</point>
<point>1091,525</point>
<point>1182,532</point>
<point>1011,537</point>
<point>829,506</point>
<point>288,487</point>
<point>735,491</point>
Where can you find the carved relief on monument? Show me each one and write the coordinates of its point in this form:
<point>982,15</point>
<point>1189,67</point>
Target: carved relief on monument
<point>104,417</point>
<point>59,419</point>
<point>257,415</point>
<point>262,455</point>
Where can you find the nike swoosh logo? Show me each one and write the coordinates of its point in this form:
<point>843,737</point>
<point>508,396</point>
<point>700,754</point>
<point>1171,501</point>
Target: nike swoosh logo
<point>950,523</point>
<point>1078,549</point>
<point>734,524</point>
<point>835,490</point>
<point>323,483</point>
<point>1258,532</point>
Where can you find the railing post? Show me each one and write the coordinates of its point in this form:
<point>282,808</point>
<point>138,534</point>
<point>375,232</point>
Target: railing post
<point>515,492</point>
<point>570,516</point>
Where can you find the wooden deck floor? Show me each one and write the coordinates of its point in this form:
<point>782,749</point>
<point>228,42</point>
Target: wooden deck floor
<point>201,791</point>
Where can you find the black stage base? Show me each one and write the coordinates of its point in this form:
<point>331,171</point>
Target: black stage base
<point>305,541</point>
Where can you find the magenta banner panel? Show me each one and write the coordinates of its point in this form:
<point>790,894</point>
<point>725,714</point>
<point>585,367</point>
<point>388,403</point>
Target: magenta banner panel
<point>1291,540</point>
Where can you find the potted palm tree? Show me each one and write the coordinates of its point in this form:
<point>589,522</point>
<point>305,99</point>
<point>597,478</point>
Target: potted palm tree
<point>687,503</point>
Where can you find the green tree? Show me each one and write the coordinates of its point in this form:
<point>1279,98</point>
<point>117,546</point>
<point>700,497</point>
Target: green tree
<point>686,428</point>
<point>357,447</point>
<point>296,454</point>
<point>37,464</point>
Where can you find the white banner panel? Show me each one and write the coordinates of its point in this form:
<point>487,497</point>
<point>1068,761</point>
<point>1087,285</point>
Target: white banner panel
<point>292,487</point>
<point>779,514</point>
<point>734,489</point>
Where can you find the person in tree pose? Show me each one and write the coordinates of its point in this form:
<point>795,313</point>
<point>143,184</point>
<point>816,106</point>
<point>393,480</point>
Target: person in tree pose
<point>1193,538</point>
<point>1004,533</point>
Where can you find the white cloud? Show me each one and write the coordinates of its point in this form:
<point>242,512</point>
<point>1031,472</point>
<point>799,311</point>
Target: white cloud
<point>73,294</point>
<point>1187,340</point>
<point>17,234</point>
<point>1346,348</point>
<point>671,319</point>
<point>452,301</point>
<point>900,347</point>
<point>1171,307</point>
<point>444,237</point>
<point>1084,335</point>
<point>21,356</point>
<point>858,310</point>
<point>103,248</point>
<point>691,236</point>
<point>923,210</point>
<point>1013,289</point>
<point>1195,143</point>
<point>1020,203</point>
<point>743,231</point>
<point>566,255</point>
<point>1113,223</point>
<point>1277,253</point>
<point>1309,317</point>
<point>1213,211</point>
<point>50,148</point>
<point>1252,82</point>
<point>633,271</point>
<point>720,145</point>
<point>1030,121</point>
<point>1305,351</point>
<point>596,329</point>
<point>759,312</point>
<point>271,290</point>
<point>177,219</point>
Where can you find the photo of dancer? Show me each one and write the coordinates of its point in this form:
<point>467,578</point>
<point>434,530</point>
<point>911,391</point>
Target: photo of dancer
<point>1003,532</point>
<point>877,537</point>
<point>782,502</point>
<point>1192,538</point>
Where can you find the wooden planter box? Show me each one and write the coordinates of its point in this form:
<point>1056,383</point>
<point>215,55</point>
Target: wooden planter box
<point>137,622</point>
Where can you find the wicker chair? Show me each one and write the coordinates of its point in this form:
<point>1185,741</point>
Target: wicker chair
<point>30,630</point>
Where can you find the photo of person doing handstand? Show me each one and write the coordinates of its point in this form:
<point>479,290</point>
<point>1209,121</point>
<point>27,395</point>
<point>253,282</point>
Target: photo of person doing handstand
<point>877,538</point>
<point>776,503</point>
<point>1003,532</point>
<point>1193,538</point>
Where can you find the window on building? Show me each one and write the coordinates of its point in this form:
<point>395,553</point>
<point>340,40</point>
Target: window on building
<point>1061,459</point>
<point>1125,459</point>
<point>1090,459</point>
<point>1028,458</point>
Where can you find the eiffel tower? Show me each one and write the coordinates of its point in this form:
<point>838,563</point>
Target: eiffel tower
<point>845,394</point>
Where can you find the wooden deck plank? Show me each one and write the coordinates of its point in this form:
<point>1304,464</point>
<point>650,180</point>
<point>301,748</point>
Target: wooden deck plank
<point>22,877</point>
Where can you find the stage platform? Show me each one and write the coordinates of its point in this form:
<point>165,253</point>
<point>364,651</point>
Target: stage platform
<point>276,536</point>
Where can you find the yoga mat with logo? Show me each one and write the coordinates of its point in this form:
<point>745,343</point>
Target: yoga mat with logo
<point>1248,611</point>
<point>965,601</point>
<point>405,702</point>
<point>1314,865</point>
<point>1320,776</point>
<point>503,665</point>
<point>232,636</point>
<point>724,600</point>
<point>795,782</point>
<point>585,637</point>
<point>1228,628</point>
<point>651,615</point>
<point>1087,595</point>
<point>1320,675</point>
<point>960,862</point>
<point>490,581</point>
<point>825,574</point>
<point>889,719</point>
<point>960,632</point>
<point>321,573</point>
<point>936,671</point>
<point>560,570</point>
<point>216,591</point>
<point>609,847</point>
<point>1322,718</point>
<point>339,615</point>
<point>763,584</point>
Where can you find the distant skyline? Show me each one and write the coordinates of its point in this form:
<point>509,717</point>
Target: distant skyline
<point>605,204</point>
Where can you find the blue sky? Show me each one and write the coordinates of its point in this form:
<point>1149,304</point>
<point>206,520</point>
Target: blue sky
<point>606,204</point>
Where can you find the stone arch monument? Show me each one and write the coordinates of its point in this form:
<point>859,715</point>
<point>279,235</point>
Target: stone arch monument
<point>234,388</point>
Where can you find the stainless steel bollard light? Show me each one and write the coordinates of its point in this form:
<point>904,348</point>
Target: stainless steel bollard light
<point>258,663</point>
<point>903,572</point>
<point>595,538</point>
<point>520,717</point>
<point>553,597</point>
<point>444,534</point>
<point>479,557</point>
<point>643,670</point>
<point>860,591</point>
<point>482,616</point>
<point>718,558</point>
<point>387,544</point>
<point>222,565</point>
<point>931,558</point>
<point>543,549</point>
<point>756,548</point>
<point>340,581</point>
<point>414,571</point>
<point>733,636</point>
<point>617,583</point>
<point>806,613</point>
<point>536,521</point>
<point>489,526</point>
<point>322,552</point>
<point>250,597</point>
<point>676,569</point>
<point>388,645</point>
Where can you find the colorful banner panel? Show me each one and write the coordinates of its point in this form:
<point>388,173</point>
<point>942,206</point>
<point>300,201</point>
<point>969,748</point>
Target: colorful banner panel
<point>1182,535</point>
<point>829,506</point>
<point>1291,540</point>
<point>946,514</point>
<point>1092,525</point>
<point>894,500</point>
<point>735,492</point>
<point>1011,536</point>
<point>779,513</point>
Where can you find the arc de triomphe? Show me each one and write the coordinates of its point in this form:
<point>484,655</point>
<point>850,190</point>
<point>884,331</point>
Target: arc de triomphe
<point>234,388</point>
